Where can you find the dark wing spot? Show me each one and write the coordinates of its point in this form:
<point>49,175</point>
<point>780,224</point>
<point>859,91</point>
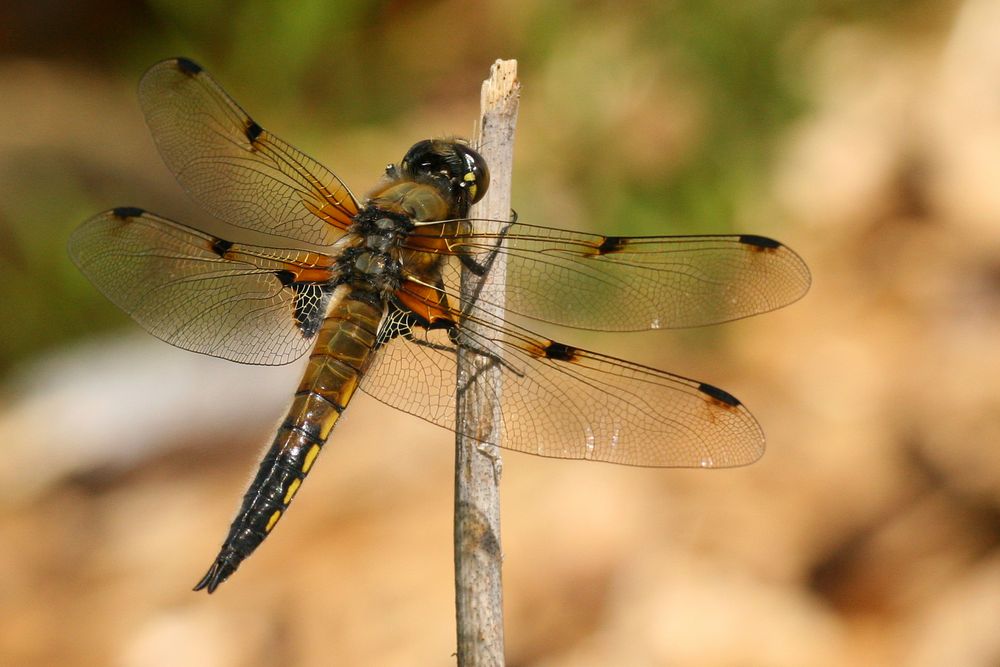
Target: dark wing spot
<point>560,351</point>
<point>611,244</point>
<point>187,66</point>
<point>125,212</point>
<point>759,241</point>
<point>253,131</point>
<point>221,246</point>
<point>310,307</point>
<point>719,395</point>
<point>285,276</point>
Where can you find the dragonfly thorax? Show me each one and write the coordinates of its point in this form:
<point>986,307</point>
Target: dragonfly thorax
<point>374,253</point>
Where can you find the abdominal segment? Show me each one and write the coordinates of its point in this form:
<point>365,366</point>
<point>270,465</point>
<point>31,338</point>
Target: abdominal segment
<point>344,341</point>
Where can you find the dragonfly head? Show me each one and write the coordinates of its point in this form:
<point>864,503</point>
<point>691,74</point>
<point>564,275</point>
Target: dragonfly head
<point>456,168</point>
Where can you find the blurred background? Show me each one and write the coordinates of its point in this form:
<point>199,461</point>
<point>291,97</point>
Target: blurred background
<point>863,133</point>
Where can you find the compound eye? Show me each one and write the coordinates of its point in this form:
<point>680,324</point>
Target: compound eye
<point>476,179</point>
<point>422,158</point>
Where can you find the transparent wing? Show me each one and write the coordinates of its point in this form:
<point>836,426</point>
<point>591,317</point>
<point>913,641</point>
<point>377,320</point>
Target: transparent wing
<point>563,402</point>
<point>615,283</point>
<point>240,172</point>
<point>250,304</point>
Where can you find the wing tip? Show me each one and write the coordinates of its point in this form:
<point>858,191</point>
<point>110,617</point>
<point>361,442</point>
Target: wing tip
<point>795,263</point>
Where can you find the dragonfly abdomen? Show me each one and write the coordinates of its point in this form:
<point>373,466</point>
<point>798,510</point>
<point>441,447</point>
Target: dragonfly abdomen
<point>343,343</point>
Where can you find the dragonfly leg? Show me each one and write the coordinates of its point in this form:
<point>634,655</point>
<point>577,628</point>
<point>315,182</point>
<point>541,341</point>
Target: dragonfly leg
<point>480,269</point>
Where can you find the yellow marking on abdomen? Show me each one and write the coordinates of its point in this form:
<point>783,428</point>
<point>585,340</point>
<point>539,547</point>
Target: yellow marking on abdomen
<point>273,520</point>
<point>310,458</point>
<point>292,489</point>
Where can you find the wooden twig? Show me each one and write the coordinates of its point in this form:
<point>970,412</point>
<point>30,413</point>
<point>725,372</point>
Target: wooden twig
<point>478,555</point>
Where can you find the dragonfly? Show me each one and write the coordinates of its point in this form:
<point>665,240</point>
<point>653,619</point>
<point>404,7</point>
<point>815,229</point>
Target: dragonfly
<point>371,290</point>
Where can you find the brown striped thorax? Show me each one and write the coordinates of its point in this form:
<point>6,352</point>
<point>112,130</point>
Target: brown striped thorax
<point>371,291</point>
<point>437,179</point>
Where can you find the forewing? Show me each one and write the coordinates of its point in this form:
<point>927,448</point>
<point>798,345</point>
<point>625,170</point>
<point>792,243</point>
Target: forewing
<point>237,170</point>
<point>563,402</point>
<point>614,283</point>
<point>250,304</point>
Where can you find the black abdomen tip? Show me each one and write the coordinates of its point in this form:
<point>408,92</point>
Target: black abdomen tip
<point>219,572</point>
